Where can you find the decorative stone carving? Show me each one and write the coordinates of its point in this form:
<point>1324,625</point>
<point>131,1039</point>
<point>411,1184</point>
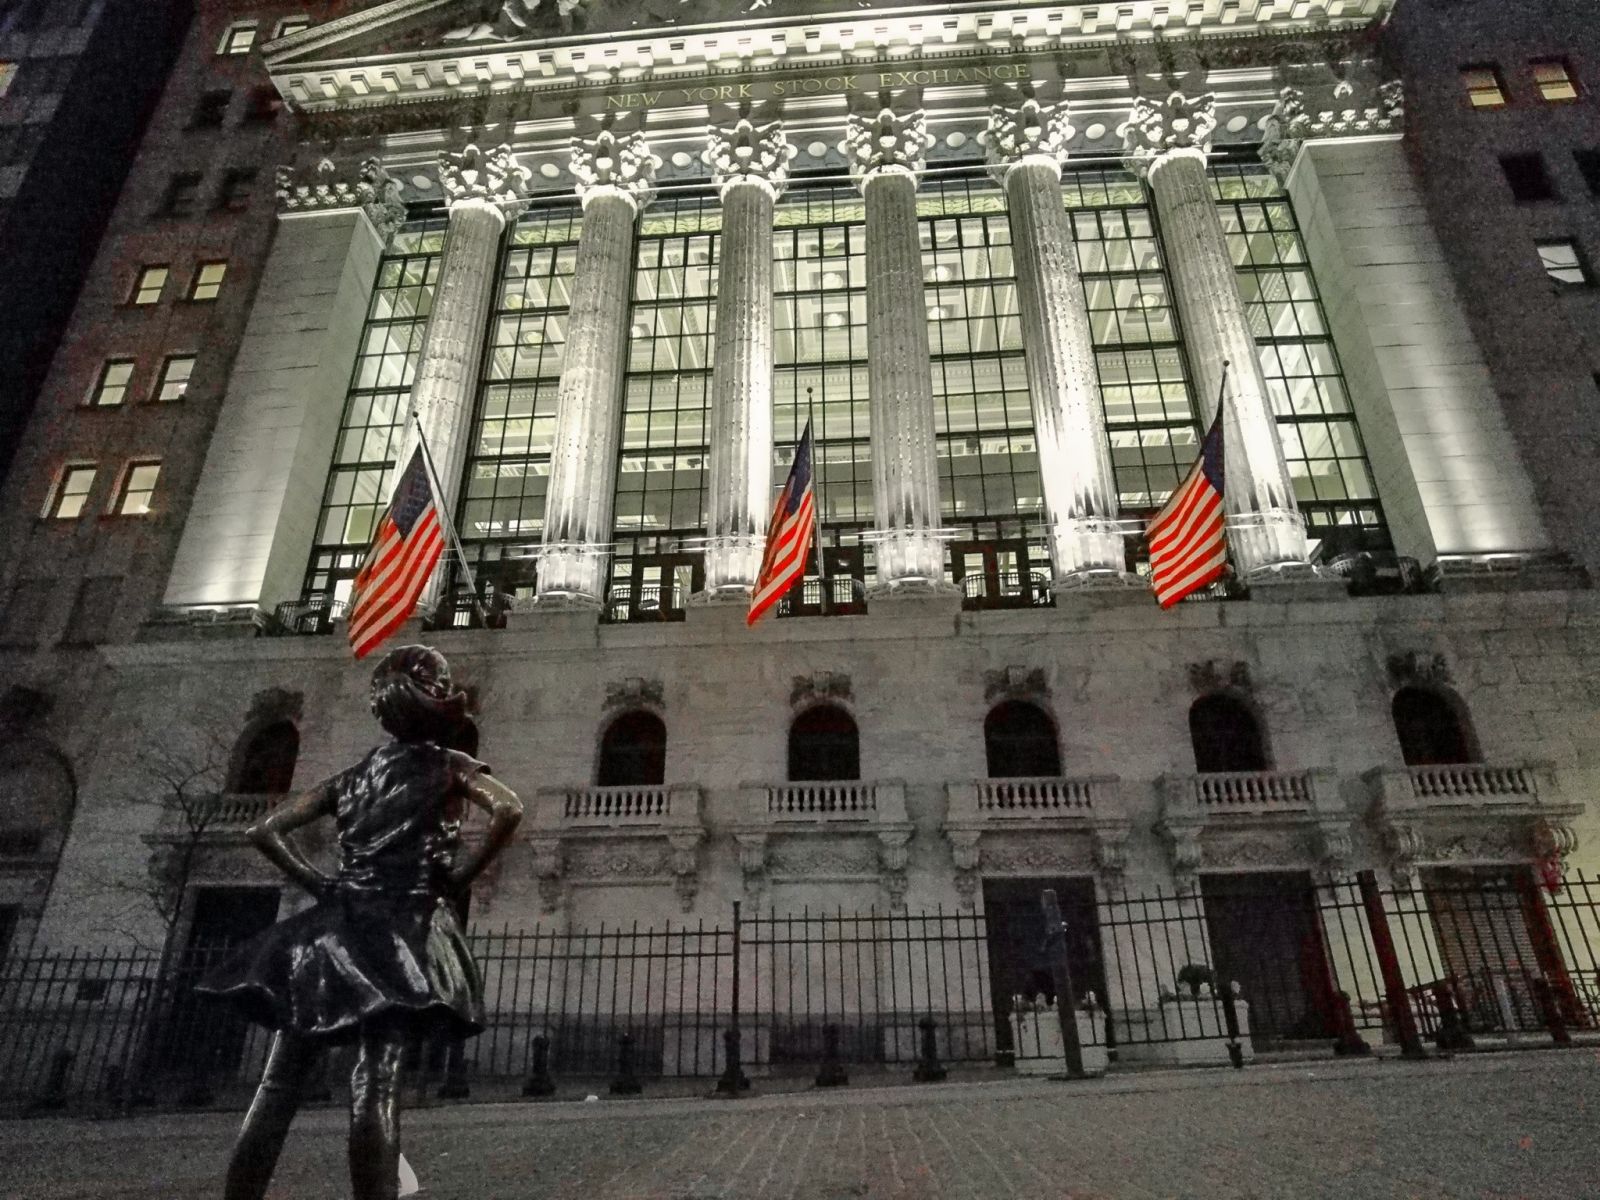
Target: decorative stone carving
<point>1284,131</point>
<point>1292,120</point>
<point>819,685</point>
<point>1289,819</point>
<point>547,869</point>
<point>1184,851</point>
<point>1030,131</point>
<point>629,861</point>
<point>1216,674</point>
<point>749,153</point>
<point>752,863</point>
<point>1180,124</point>
<point>613,164</point>
<point>967,855</point>
<point>816,858</point>
<point>893,857</point>
<point>1016,683</point>
<point>1035,857</point>
<point>635,692</point>
<point>889,142</point>
<point>372,189</point>
<point>493,176</point>
<point>1414,668</point>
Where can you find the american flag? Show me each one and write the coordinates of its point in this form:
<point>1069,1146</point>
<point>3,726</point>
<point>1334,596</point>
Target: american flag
<point>1188,545</point>
<point>405,548</point>
<point>794,519</point>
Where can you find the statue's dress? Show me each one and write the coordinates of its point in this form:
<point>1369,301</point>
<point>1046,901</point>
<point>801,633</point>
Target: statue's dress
<point>383,944</point>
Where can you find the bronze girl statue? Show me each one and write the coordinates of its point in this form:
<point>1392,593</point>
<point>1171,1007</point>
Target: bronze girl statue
<point>380,959</point>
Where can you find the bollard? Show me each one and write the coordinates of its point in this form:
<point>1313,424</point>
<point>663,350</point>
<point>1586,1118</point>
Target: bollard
<point>539,1082</point>
<point>1230,1018</point>
<point>627,1082</point>
<point>929,1068</point>
<point>1349,1041</point>
<point>54,1095</point>
<point>1452,1033</point>
<point>1545,996</point>
<point>733,1080</point>
<point>832,1073</point>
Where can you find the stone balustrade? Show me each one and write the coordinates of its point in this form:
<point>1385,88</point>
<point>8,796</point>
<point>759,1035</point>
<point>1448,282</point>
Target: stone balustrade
<point>674,804</point>
<point>826,802</point>
<point>1029,798</point>
<point>224,816</point>
<point>1250,791</point>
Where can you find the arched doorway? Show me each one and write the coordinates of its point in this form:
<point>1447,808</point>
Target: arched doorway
<point>1019,740</point>
<point>824,744</point>
<point>1432,730</point>
<point>633,751</point>
<point>1225,735</point>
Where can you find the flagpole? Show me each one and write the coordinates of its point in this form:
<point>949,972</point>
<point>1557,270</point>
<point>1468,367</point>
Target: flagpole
<point>1222,396</point>
<point>446,519</point>
<point>816,515</point>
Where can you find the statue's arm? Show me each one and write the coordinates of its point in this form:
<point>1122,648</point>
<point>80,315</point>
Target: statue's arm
<point>505,814</point>
<point>271,836</point>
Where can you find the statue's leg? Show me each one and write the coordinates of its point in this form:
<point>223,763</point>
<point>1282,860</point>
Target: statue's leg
<point>266,1125</point>
<point>375,1115</point>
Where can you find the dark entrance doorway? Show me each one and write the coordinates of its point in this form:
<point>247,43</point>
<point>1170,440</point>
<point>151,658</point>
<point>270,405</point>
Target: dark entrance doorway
<point>1266,936</point>
<point>1017,962</point>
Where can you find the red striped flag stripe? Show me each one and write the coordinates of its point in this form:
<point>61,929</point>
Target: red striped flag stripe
<point>400,587</point>
<point>794,543</point>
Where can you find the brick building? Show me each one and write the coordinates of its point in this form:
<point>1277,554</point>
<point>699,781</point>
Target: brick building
<point>614,259</point>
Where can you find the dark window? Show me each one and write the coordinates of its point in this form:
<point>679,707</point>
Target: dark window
<point>1589,165</point>
<point>1225,735</point>
<point>237,185</point>
<point>824,744</point>
<point>265,765</point>
<point>25,611</point>
<point>633,751</point>
<point>265,104</point>
<point>10,917</point>
<point>178,200</point>
<point>1528,179</point>
<point>1431,728</point>
<point>91,611</point>
<point>210,110</point>
<point>1019,740</point>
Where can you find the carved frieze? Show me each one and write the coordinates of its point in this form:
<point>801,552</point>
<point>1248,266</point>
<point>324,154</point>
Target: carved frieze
<point>328,186</point>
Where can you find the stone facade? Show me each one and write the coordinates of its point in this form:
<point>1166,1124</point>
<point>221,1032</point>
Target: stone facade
<point>178,660</point>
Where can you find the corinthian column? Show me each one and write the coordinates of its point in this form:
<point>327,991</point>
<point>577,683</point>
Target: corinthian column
<point>616,177</point>
<point>1026,146</point>
<point>886,155</point>
<point>484,189</point>
<point>750,166</point>
<point>1167,144</point>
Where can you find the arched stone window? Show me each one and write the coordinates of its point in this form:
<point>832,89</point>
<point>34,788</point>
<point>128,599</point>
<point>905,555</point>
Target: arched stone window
<point>633,751</point>
<point>1226,735</point>
<point>264,764</point>
<point>1433,729</point>
<point>1019,739</point>
<point>824,744</point>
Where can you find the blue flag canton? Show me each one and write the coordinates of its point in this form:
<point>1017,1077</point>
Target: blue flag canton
<point>412,495</point>
<point>799,474</point>
<point>1211,455</point>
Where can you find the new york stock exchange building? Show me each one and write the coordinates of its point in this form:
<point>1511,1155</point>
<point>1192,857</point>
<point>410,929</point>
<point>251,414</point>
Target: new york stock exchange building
<point>1006,261</point>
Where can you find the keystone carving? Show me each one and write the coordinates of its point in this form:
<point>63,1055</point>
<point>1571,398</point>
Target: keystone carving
<point>493,176</point>
<point>819,685</point>
<point>614,164</point>
<point>372,189</point>
<point>749,153</point>
<point>1016,683</point>
<point>886,142</point>
<point>1416,668</point>
<point>1030,130</point>
<point>1177,125</point>
<point>1215,675</point>
<point>634,692</point>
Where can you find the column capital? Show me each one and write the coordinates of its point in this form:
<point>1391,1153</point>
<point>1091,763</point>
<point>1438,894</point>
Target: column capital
<point>491,176</point>
<point>1345,110</point>
<point>327,187</point>
<point>614,164</point>
<point>748,153</point>
<point>888,143</point>
<point>1027,132</point>
<point>1182,125</point>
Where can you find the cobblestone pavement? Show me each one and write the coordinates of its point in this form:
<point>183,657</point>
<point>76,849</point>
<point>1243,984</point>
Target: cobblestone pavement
<point>1495,1126</point>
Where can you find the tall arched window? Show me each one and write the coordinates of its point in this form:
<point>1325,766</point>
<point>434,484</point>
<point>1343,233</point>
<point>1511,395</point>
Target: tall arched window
<point>1225,735</point>
<point>824,744</point>
<point>1432,730</point>
<point>1019,739</point>
<point>633,751</point>
<point>265,765</point>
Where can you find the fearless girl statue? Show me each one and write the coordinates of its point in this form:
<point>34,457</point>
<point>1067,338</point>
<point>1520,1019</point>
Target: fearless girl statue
<point>379,960</point>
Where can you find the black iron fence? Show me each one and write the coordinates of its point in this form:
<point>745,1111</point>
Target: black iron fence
<point>1238,967</point>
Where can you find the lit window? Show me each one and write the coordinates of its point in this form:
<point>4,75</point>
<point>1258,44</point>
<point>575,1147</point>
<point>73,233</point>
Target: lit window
<point>138,485</point>
<point>112,387</point>
<point>8,72</point>
<point>152,281</point>
<point>72,492</point>
<point>293,25</point>
<point>1563,262</point>
<point>1484,87</point>
<point>208,281</point>
<point>1554,79</point>
<point>175,373</point>
<point>238,39</point>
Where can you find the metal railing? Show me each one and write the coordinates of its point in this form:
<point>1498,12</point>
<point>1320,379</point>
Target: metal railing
<point>1221,975</point>
<point>655,602</point>
<point>309,617</point>
<point>1008,589</point>
<point>835,596</point>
